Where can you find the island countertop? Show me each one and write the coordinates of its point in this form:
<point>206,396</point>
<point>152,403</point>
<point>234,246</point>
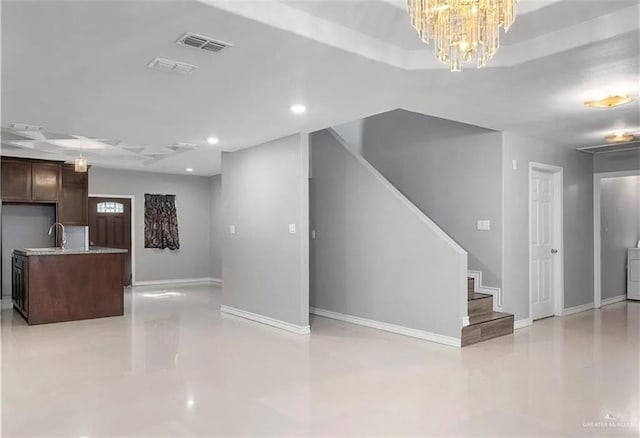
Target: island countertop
<point>58,251</point>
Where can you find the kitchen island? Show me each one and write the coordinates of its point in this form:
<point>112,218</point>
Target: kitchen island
<point>56,285</point>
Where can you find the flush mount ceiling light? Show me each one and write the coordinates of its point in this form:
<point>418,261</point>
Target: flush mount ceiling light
<point>298,108</point>
<point>188,169</point>
<point>213,140</point>
<point>80,164</point>
<point>611,101</point>
<point>620,137</point>
<point>463,30</point>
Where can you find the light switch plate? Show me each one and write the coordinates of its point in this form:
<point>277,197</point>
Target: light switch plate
<point>515,164</point>
<point>292,228</point>
<point>483,225</point>
<point>232,229</point>
<point>313,234</point>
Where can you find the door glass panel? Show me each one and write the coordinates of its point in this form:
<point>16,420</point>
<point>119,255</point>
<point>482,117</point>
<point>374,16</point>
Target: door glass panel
<point>110,207</point>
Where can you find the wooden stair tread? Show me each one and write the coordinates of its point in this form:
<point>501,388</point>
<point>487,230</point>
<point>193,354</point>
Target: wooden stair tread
<point>488,317</point>
<point>478,296</point>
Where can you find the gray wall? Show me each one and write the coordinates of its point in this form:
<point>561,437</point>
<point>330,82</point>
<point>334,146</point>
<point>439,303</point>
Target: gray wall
<point>617,161</point>
<point>620,229</point>
<point>193,195</point>
<point>578,221</point>
<point>265,268</point>
<point>217,227</point>
<point>451,171</point>
<point>374,256</point>
<point>24,226</point>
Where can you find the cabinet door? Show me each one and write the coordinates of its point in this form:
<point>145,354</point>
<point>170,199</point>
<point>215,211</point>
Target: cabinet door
<point>73,208</point>
<point>16,180</point>
<point>19,286</point>
<point>46,181</point>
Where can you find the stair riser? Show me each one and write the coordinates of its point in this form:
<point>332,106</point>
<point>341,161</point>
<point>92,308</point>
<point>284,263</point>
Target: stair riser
<point>480,306</point>
<point>488,330</point>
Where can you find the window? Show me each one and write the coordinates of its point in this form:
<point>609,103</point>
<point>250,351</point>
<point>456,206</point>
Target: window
<point>110,207</point>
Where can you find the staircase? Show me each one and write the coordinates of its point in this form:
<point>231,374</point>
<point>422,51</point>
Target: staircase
<point>484,323</point>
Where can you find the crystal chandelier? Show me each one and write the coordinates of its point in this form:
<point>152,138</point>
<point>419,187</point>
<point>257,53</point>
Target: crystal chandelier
<point>463,30</point>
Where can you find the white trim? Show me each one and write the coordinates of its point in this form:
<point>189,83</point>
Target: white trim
<point>406,331</point>
<point>597,238</point>
<point>558,235</point>
<point>133,228</point>
<point>179,281</point>
<point>578,309</point>
<point>613,300</point>
<point>522,323</point>
<point>465,321</point>
<point>298,329</point>
<point>479,287</point>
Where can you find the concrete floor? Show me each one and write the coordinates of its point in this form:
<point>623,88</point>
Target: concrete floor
<point>174,366</point>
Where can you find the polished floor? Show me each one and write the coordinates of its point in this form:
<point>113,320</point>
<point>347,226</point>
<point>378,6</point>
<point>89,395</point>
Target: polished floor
<point>173,366</point>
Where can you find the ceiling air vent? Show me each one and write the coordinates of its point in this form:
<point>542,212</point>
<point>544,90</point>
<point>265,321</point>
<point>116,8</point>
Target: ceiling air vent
<point>172,66</point>
<point>202,42</point>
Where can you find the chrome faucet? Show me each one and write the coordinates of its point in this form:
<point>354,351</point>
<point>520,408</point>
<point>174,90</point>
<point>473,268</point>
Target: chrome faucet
<point>64,235</point>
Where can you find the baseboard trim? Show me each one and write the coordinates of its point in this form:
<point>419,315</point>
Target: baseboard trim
<point>293,328</point>
<point>479,287</point>
<point>179,281</point>
<point>406,331</point>
<point>522,323</point>
<point>613,300</point>
<point>577,309</point>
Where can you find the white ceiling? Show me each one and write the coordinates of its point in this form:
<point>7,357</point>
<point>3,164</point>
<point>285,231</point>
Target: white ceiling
<point>79,68</point>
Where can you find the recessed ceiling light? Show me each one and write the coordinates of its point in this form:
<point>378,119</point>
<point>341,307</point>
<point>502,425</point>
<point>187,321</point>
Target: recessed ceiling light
<point>620,137</point>
<point>213,140</point>
<point>298,108</point>
<point>188,169</point>
<point>610,101</point>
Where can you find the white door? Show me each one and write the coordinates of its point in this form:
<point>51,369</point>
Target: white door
<point>542,238</point>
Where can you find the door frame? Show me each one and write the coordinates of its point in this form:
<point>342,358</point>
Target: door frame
<point>558,235</point>
<point>597,238</point>
<point>133,228</point>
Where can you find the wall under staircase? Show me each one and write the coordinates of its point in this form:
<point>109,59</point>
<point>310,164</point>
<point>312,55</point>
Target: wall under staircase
<point>376,259</point>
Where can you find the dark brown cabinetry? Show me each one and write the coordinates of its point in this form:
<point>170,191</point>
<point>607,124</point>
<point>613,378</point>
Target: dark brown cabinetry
<point>73,205</point>
<point>16,180</point>
<point>39,181</point>
<point>67,287</point>
<point>46,179</point>
<point>20,282</point>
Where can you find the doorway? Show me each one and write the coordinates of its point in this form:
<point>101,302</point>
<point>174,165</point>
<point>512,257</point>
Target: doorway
<point>546,266</point>
<point>110,226</point>
<point>612,240</point>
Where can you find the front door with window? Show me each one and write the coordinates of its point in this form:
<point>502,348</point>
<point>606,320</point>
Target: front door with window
<point>110,226</point>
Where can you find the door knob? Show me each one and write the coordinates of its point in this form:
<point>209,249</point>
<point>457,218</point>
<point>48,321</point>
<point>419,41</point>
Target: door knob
<point>554,251</point>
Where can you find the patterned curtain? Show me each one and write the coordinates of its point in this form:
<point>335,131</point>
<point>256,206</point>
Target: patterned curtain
<point>160,222</point>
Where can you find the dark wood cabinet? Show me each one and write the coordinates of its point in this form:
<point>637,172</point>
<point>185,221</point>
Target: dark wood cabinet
<point>46,179</point>
<point>19,285</point>
<point>16,180</point>
<point>73,205</point>
<point>39,181</point>
<point>67,287</point>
